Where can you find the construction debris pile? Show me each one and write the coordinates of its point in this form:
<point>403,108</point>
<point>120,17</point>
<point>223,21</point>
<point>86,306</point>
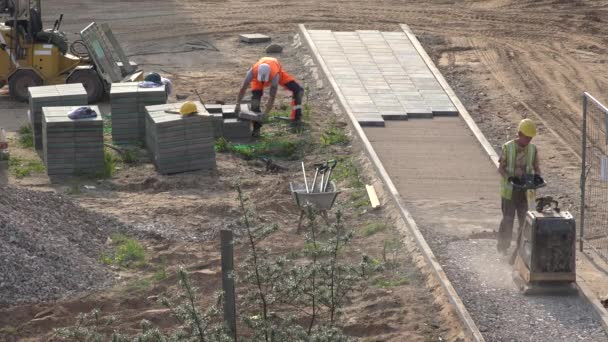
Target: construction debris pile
<point>52,251</point>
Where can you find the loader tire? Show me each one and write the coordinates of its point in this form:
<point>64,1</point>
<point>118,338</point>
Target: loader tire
<point>91,81</point>
<point>54,38</point>
<point>19,83</point>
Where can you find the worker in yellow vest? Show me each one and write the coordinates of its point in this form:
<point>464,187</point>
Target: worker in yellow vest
<point>519,157</point>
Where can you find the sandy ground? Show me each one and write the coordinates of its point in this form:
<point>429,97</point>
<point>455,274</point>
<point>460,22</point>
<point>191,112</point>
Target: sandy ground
<point>506,59</point>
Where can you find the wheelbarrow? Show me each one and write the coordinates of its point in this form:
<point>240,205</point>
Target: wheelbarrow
<point>321,201</point>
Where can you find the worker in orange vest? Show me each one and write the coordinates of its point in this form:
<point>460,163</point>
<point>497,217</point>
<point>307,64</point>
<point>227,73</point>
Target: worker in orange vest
<point>268,72</point>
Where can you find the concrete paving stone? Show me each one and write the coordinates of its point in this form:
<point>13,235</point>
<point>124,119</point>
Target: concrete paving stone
<point>372,120</point>
<point>379,91</point>
<point>357,97</point>
<point>254,38</point>
<point>419,112</point>
<point>394,115</point>
<point>444,111</point>
<point>353,91</point>
<point>368,108</point>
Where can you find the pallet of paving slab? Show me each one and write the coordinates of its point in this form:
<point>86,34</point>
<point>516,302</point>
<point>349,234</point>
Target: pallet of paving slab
<point>229,111</point>
<point>66,140</point>
<point>168,136</point>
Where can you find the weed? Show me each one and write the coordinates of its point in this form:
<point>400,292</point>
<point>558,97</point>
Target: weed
<point>140,285</point>
<point>26,136</point>
<point>161,272</point>
<point>276,147</point>
<point>130,156</point>
<point>21,168</point>
<point>129,252</point>
<point>359,199</point>
<point>390,253</point>
<point>334,136</point>
<point>347,171</point>
<point>8,330</point>
<point>109,164</point>
<point>221,145</point>
<point>372,228</point>
<point>107,124</point>
<point>384,283</point>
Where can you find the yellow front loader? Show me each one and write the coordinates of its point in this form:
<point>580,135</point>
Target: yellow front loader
<point>31,56</point>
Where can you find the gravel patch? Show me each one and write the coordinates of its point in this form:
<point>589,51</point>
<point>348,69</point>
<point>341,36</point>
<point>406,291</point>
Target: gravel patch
<point>49,247</point>
<point>483,279</point>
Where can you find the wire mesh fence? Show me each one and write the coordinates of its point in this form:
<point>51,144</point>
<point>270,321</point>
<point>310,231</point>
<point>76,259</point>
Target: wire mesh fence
<point>594,177</point>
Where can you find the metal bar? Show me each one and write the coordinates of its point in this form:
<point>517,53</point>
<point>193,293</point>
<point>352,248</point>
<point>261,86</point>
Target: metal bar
<point>227,252</point>
<point>118,49</point>
<point>583,171</point>
<point>596,102</point>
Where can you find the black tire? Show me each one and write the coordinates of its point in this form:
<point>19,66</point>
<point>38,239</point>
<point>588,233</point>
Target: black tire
<point>91,81</point>
<point>19,83</point>
<point>55,38</point>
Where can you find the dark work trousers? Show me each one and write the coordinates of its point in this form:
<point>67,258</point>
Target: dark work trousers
<point>517,204</point>
<point>297,93</point>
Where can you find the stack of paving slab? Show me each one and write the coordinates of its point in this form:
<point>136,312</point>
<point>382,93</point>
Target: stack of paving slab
<point>215,111</point>
<point>51,96</point>
<point>180,143</point>
<point>382,76</point>
<point>128,102</point>
<point>72,147</point>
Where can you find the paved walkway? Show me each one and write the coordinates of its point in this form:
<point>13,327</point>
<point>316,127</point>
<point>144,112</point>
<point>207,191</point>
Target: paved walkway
<point>382,76</point>
<point>450,186</point>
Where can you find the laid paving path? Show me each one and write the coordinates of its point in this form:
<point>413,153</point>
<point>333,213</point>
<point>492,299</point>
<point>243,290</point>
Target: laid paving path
<point>382,76</point>
<point>448,184</point>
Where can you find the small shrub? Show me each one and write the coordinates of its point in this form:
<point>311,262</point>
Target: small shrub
<point>26,136</point>
<point>130,252</point>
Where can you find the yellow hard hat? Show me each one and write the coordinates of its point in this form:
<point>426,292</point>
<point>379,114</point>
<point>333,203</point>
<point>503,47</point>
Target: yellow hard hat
<point>527,127</point>
<point>188,108</point>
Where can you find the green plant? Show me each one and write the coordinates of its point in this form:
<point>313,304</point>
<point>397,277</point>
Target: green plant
<point>221,145</point>
<point>21,168</point>
<point>130,156</point>
<point>372,228</point>
<point>26,136</point>
<point>128,252</point>
<point>109,164</point>
<point>383,283</point>
<point>333,135</point>
<point>8,330</point>
<point>107,124</point>
<point>347,171</point>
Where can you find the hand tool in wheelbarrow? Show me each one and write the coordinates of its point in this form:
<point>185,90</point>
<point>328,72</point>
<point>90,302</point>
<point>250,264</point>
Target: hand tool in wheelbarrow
<point>331,164</point>
<point>314,180</point>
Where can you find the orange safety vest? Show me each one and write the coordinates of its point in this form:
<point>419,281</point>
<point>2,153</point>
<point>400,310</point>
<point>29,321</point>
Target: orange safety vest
<point>275,68</point>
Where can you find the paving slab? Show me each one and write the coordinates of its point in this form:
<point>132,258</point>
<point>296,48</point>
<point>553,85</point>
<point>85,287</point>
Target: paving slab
<point>254,38</point>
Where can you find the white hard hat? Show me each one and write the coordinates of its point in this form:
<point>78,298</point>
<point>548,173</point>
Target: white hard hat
<point>263,72</point>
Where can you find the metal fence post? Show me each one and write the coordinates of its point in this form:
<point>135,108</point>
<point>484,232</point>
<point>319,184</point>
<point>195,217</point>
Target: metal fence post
<point>227,245</point>
<point>583,172</point>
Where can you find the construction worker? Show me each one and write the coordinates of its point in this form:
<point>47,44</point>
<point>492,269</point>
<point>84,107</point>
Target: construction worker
<point>519,157</point>
<point>268,72</point>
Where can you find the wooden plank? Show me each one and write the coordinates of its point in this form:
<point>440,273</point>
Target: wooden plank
<point>470,327</point>
<point>373,198</point>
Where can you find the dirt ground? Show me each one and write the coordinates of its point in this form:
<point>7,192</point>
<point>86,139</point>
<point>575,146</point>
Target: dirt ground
<point>506,59</point>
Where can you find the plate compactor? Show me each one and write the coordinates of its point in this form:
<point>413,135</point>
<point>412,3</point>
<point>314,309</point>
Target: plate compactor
<point>544,259</point>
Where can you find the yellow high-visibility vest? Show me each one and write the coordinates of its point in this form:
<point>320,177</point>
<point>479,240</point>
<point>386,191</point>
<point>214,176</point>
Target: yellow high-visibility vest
<point>509,149</point>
